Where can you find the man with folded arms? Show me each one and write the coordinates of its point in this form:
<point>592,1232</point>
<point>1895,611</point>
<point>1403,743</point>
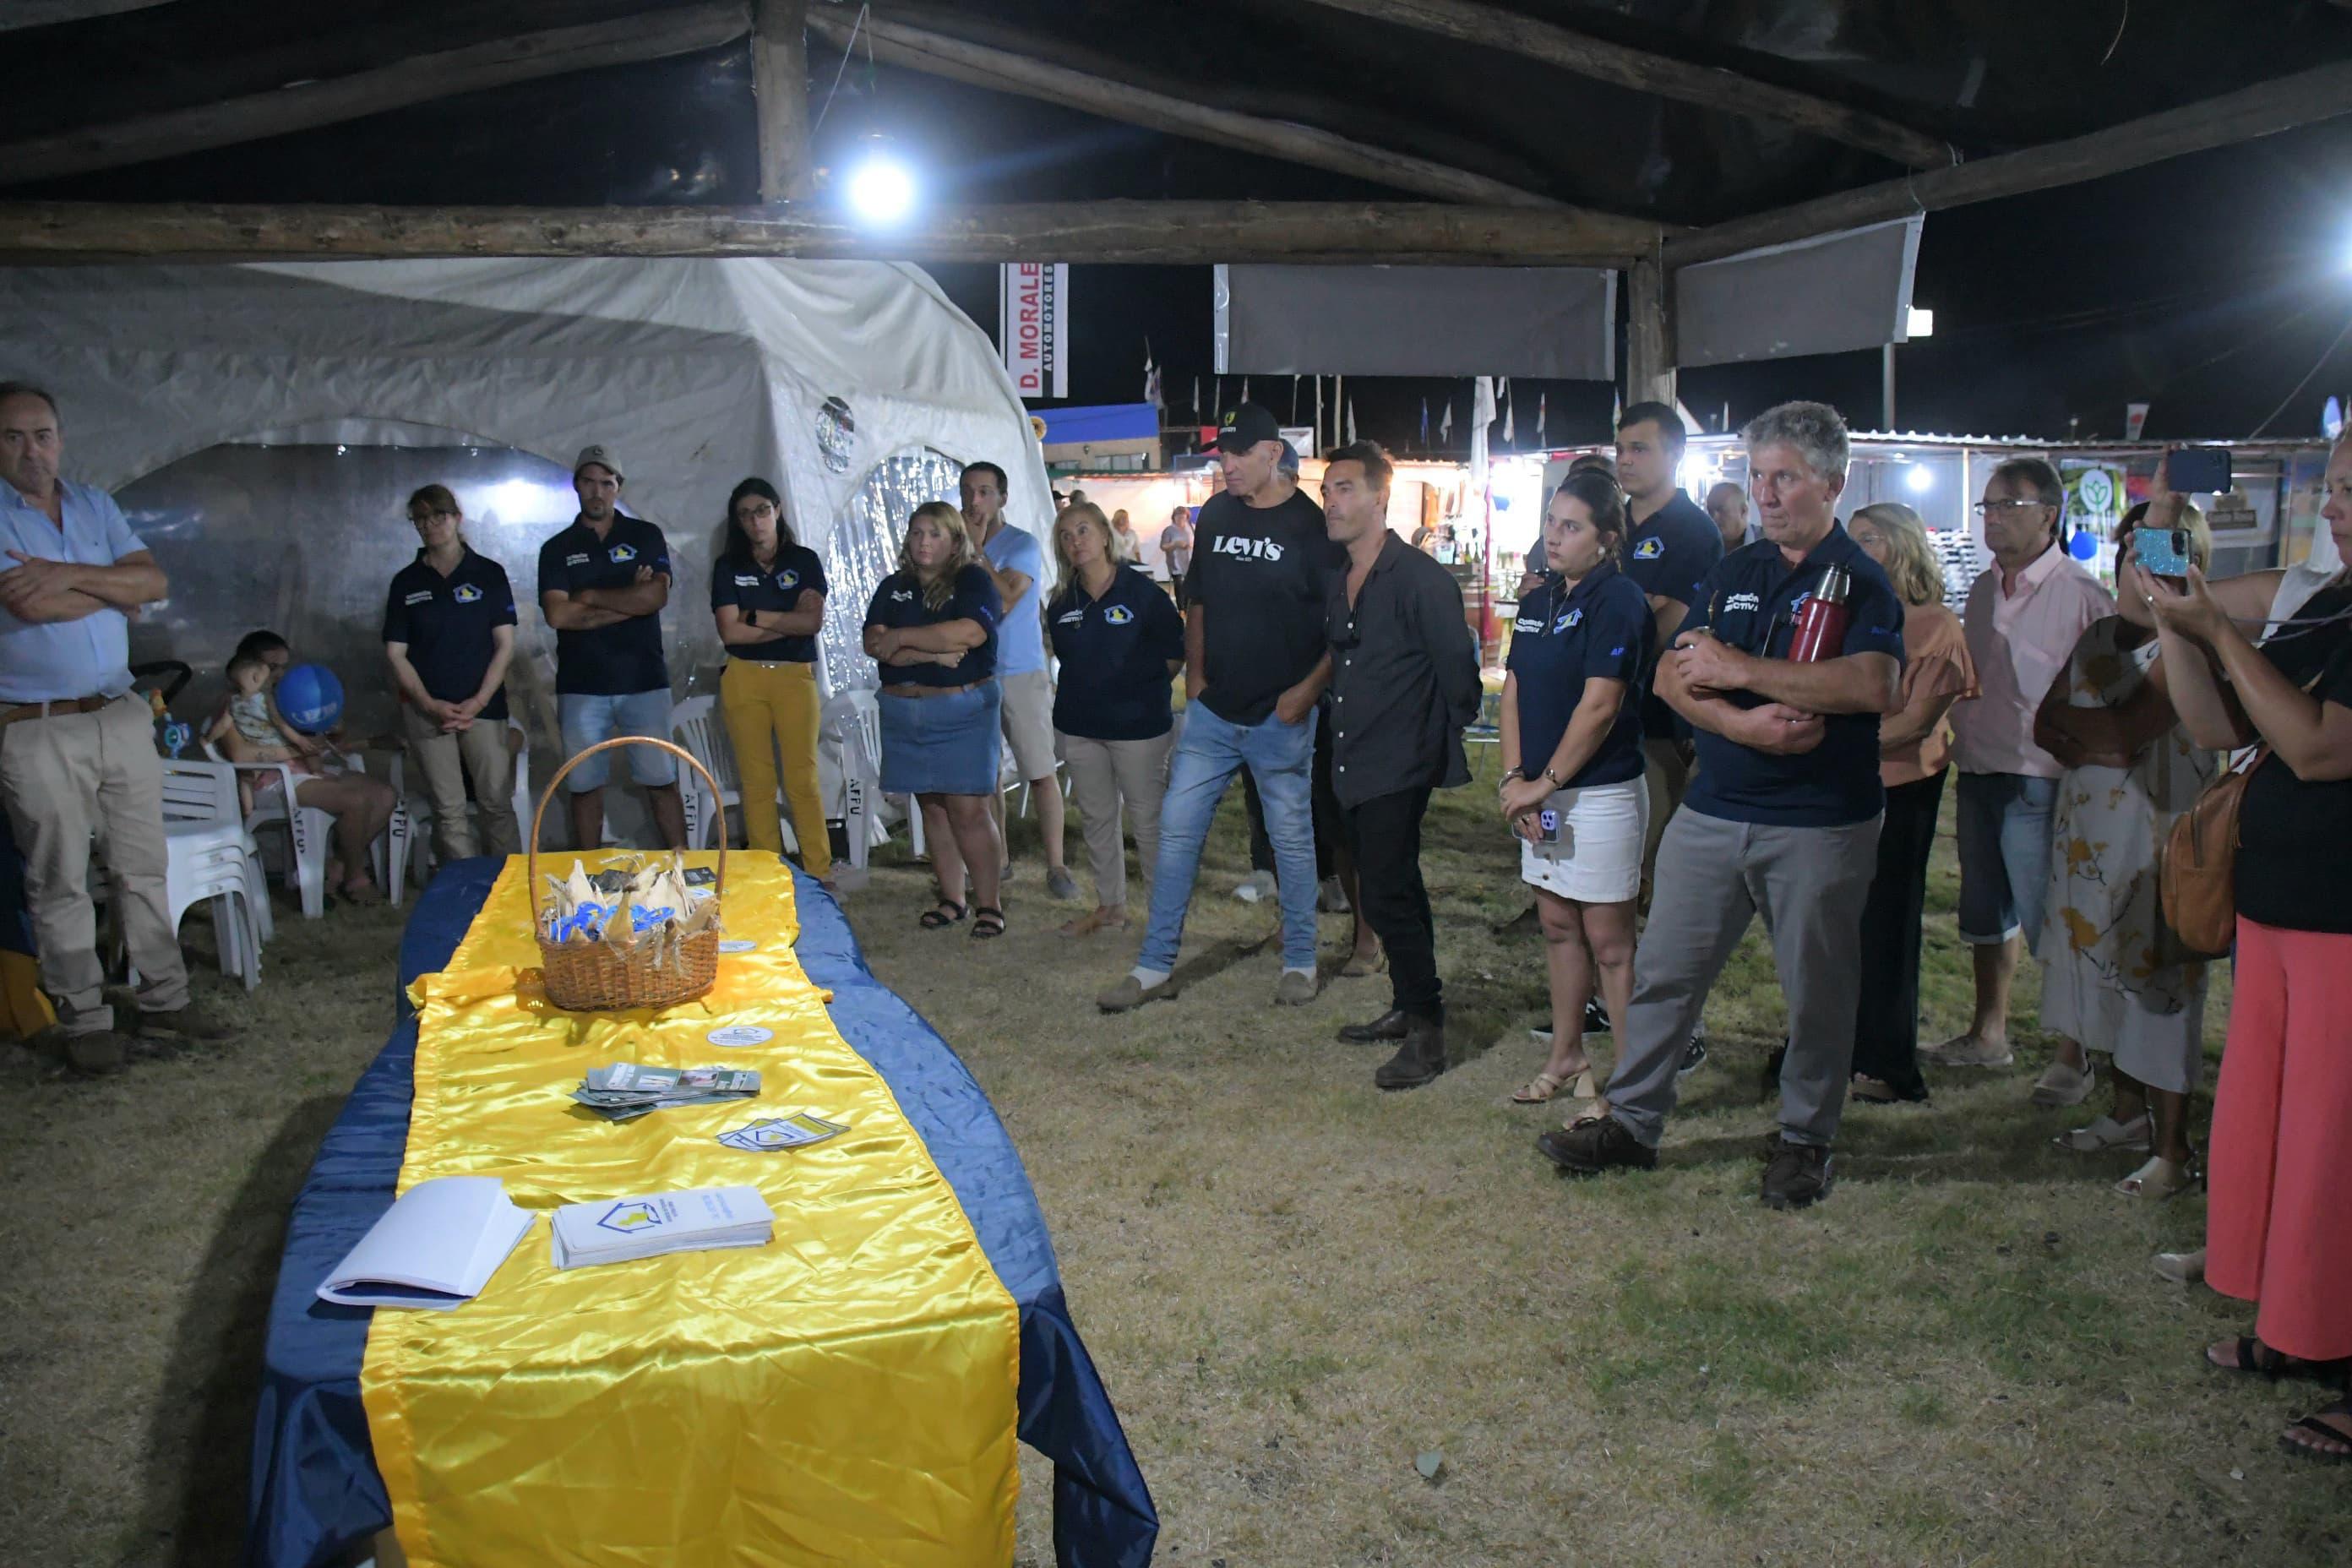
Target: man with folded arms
<point>76,747</point>
<point>1782,818</point>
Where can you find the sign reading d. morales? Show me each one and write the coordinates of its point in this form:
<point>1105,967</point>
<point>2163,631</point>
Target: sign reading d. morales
<point>1032,305</point>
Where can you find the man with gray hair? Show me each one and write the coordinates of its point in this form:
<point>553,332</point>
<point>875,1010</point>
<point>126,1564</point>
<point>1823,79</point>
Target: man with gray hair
<point>1782,818</point>
<point>2025,616</point>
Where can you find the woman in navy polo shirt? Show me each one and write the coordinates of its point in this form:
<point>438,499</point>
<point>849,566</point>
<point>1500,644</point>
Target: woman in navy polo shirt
<point>1120,641</point>
<point>448,634</point>
<point>767,592</point>
<point>1572,785</point>
<point>932,628</point>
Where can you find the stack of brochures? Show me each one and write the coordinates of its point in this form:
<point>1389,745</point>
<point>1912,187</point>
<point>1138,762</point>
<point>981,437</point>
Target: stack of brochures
<point>625,1091</point>
<point>436,1248</point>
<point>620,1230</point>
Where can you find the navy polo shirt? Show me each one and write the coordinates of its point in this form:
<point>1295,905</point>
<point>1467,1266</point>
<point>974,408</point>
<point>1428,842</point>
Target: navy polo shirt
<point>1669,553</point>
<point>1750,602</point>
<point>447,623</point>
<point>737,581</point>
<point>1601,629</point>
<point>898,601</point>
<point>626,657</point>
<point>1115,653</point>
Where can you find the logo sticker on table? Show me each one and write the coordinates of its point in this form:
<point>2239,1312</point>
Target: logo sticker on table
<point>738,944</point>
<point>741,1035</point>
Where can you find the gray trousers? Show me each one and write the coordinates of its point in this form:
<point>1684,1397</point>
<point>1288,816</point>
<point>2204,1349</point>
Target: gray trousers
<point>1714,877</point>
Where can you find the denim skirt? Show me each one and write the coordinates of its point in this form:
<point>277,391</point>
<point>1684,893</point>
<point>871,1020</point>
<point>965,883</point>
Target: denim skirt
<point>942,745</point>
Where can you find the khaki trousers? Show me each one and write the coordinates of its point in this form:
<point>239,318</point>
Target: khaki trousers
<point>443,761</point>
<point>1104,776</point>
<point>1665,771</point>
<point>69,780</point>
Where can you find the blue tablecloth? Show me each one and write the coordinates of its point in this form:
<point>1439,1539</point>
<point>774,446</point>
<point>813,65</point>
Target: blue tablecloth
<point>315,1490</point>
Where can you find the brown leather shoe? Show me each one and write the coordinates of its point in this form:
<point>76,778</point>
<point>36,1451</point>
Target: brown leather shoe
<point>1389,1025</point>
<point>1798,1175</point>
<point>1418,1060</point>
<point>1602,1143</point>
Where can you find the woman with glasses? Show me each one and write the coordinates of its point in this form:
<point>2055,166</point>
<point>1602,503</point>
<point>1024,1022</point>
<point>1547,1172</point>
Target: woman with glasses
<point>448,634</point>
<point>2112,978</point>
<point>767,593</point>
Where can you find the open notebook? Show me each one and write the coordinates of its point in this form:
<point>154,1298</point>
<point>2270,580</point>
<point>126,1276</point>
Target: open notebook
<point>435,1248</point>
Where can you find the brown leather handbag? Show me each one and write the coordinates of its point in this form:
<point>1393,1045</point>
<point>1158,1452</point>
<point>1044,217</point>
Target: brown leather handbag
<point>2197,879</point>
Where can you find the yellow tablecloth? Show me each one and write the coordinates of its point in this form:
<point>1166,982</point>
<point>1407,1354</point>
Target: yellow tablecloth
<point>845,1395</point>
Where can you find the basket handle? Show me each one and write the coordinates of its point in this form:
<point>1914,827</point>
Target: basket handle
<point>531,869</point>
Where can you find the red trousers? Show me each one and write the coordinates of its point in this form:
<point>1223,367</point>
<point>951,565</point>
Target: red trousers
<point>2278,1230</point>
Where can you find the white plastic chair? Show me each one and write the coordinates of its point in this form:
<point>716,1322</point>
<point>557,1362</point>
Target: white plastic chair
<point>419,813</point>
<point>853,719</point>
<point>695,724</point>
<point>203,794</point>
<point>206,862</point>
<point>309,831</point>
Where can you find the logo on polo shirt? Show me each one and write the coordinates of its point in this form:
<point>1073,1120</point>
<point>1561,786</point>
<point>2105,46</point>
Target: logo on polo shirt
<point>1737,602</point>
<point>743,582</point>
<point>1649,549</point>
<point>788,578</point>
<point>1528,624</point>
<point>902,596</point>
<point>1568,620</point>
<point>1118,615</point>
<point>575,560</point>
<point>423,597</point>
<point>1247,549</point>
<point>1069,617</point>
<point>1798,602</point>
<point>467,593</point>
<point>622,554</point>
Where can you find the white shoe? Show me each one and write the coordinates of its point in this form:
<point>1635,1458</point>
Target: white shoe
<point>1255,887</point>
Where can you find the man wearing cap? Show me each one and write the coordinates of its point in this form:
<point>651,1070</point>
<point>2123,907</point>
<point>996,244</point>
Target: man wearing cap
<point>77,748</point>
<point>601,584</point>
<point>1254,663</point>
<point>1016,563</point>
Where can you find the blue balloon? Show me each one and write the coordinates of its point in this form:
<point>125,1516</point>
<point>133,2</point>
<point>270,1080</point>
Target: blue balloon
<point>310,698</point>
<point>2082,547</point>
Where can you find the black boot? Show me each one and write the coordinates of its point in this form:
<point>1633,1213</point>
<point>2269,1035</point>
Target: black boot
<point>1389,1025</point>
<point>1419,1059</point>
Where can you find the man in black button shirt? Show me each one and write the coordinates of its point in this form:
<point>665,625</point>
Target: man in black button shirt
<point>603,582</point>
<point>1405,684</point>
<point>1783,819</point>
<point>1254,663</point>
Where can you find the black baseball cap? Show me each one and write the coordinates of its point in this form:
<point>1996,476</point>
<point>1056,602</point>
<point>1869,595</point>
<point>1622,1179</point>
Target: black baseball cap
<point>1243,427</point>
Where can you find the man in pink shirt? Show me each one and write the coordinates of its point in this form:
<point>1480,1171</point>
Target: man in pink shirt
<point>2023,617</point>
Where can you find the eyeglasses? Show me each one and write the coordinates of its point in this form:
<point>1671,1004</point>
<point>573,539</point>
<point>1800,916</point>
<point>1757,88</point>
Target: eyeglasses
<point>420,519</point>
<point>1992,508</point>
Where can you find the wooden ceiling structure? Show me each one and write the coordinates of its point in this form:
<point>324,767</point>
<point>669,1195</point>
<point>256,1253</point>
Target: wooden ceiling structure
<point>1643,135</point>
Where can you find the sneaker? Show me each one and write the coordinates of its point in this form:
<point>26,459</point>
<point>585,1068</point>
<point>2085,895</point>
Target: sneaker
<point>101,1052</point>
<point>1060,884</point>
<point>1694,1056</point>
<point>1257,887</point>
<point>2061,1085</point>
<point>1294,989</point>
<point>1588,1147</point>
<point>1129,994</point>
<point>1332,898</point>
<point>1967,1051</point>
<point>1596,1016</point>
<point>1798,1175</point>
<point>190,1023</point>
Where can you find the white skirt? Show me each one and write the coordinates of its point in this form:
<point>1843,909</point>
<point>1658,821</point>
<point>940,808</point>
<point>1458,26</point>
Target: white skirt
<point>1598,859</point>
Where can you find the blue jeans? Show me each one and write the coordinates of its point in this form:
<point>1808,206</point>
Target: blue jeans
<point>2004,832</point>
<point>1280,758</point>
<point>589,718</point>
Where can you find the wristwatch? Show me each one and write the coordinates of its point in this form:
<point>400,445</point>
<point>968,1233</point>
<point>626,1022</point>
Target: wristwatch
<point>1557,781</point>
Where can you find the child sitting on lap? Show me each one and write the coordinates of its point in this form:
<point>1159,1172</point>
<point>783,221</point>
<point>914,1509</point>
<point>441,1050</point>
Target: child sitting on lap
<point>249,730</point>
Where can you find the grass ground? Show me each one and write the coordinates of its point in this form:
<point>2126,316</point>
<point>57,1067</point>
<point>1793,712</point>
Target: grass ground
<point>1295,1286</point>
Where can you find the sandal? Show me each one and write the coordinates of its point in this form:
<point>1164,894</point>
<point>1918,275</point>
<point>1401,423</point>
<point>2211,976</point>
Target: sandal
<point>2254,1356</point>
<point>1545,1087</point>
<point>2160,1178</point>
<point>987,922</point>
<point>2107,1134</point>
<point>1356,968</point>
<point>2337,1431</point>
<point>937,919</point>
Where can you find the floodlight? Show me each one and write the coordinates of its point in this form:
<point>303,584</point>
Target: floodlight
<point>881,188</point>
<point>1919,479</point>
<point>1920,323</point>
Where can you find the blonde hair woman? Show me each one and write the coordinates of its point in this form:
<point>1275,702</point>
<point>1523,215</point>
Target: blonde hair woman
<point>1130,548</point>
<point>931,627</point>
<point>1915,749</point>
<point>1120,641</point>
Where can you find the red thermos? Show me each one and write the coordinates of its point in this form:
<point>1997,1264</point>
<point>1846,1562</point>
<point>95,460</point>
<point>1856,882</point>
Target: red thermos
<point>1821,625</point>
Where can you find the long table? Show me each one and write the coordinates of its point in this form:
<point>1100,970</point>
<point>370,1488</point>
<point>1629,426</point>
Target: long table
<point>316,1490</point>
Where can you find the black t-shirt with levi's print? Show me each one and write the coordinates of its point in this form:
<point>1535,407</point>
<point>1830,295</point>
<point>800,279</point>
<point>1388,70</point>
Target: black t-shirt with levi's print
<point>1258,575</point>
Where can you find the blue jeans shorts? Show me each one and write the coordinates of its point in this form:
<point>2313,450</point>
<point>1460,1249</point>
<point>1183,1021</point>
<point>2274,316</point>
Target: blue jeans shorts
<point>588,718</point>
<point>2004,831</point>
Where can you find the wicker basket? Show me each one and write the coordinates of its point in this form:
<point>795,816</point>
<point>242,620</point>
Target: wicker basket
<point>596,976</point>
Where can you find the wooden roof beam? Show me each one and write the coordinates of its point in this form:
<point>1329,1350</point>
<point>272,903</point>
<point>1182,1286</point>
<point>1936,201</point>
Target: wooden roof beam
<point>1400,233</point>
<point>644,35</point>
<point>934,53</point>
<point>2263,110</point>
<point>1710,87</point>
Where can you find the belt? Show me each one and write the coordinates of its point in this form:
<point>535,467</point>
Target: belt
<point>53,710</point>
<point>932,691</point>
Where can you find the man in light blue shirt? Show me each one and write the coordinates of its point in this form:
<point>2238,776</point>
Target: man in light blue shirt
<point>77,748</point>
<point>1017,564</point>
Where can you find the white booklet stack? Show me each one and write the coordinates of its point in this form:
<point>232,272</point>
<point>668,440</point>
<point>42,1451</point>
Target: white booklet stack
<point>701,1219</point>
<point>435,1248</point>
